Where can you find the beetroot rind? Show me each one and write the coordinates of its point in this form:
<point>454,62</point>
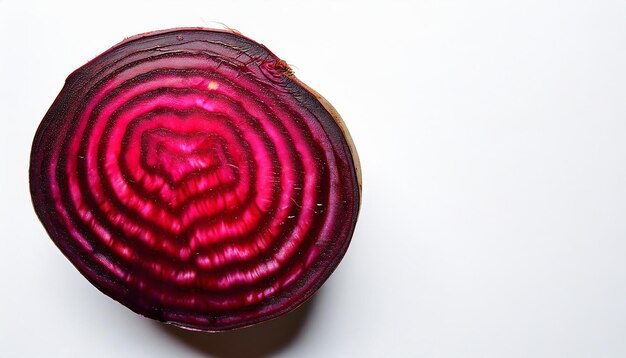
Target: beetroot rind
<point>190,176</point>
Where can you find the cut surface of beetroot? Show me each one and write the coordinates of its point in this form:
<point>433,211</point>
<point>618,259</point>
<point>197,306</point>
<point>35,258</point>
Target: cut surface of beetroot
<point>189,175</point>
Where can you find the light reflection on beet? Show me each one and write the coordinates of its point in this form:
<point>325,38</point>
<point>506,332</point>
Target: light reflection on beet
<point>189,175</point>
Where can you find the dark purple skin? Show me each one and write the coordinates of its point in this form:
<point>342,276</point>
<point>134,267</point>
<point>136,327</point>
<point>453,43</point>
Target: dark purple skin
<point>190,176</point>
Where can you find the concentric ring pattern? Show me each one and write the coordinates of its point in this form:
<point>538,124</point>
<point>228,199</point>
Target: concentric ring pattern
<point>187,174</point>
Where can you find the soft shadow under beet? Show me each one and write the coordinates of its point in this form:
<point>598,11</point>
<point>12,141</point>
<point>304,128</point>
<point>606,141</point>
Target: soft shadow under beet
<point>260,340</point>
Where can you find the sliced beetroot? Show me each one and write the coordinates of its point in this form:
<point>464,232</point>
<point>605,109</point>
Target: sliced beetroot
<point>190,176</point>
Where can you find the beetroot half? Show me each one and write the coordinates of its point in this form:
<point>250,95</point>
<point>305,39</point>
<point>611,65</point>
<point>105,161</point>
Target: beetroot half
<point>189,175</point>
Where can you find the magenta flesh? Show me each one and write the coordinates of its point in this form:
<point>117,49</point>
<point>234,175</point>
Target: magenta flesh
<point>188,175</point>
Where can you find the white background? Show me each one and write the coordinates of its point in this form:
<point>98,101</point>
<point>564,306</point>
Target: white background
<point>493,143</point>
